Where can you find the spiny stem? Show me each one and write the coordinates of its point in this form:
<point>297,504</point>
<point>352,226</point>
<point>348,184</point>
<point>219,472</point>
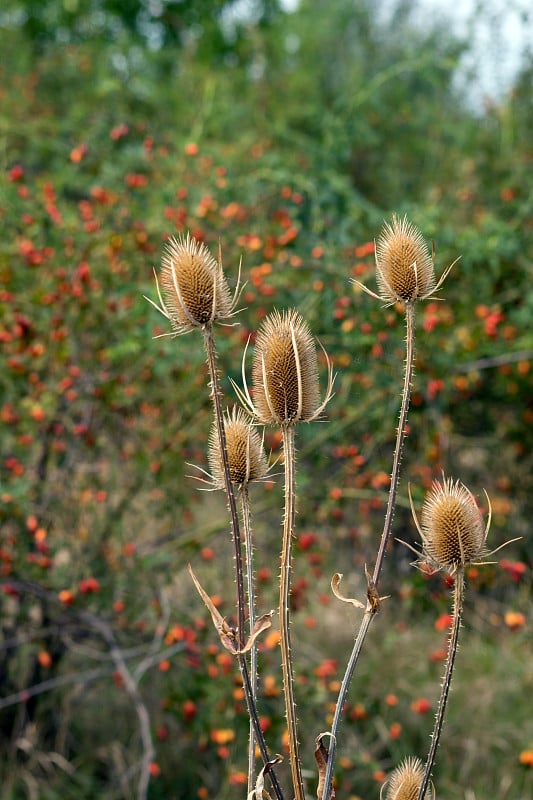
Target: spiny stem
<point>400,436</point>
<point>235,529</point>
<point>371,610</point>
<point>284,614</point>
<point>450,661</point>
<point>341,700</point>
<point>230,494</point>
<point>248,546</point>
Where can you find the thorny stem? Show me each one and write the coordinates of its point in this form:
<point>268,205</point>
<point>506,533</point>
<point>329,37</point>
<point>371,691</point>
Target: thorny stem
<point>341,700</point>
<point>248,546</point>
<point>400,436</point>
<point>372,609</point>
<point>230,495</point>
<point>284,614</point>
<point>450,661</point>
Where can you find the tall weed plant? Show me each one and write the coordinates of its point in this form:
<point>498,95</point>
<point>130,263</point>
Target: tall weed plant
<point>194,296</point>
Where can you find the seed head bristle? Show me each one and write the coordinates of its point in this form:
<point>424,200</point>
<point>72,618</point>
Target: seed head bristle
<point>451,526</point>
<point>404,264</point>
<point>246,455</point>
<point>194,287</point>
<point>285,371</point>
<point>405,781</point>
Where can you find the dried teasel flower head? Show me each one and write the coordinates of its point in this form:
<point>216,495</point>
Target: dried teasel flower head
<point>404,264</point>
<point>285,372</point>
<point>246,455</point>
<point>405,267</point>
<point>405,781</point>
<point>452,529</point>
<point>195,293</point>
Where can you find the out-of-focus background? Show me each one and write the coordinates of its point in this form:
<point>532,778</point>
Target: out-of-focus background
<point>287,132</point>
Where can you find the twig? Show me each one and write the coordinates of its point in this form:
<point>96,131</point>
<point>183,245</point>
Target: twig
<point>494,361</point>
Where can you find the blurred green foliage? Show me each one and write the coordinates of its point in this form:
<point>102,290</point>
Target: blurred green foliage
<point>288,137</point>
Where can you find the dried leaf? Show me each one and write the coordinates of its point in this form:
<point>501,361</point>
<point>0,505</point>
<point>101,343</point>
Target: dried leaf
<point>262,624</point>
<point>321,758</point>
<point>226,633</point>
<point>260,792</point>
<point>335,583</point>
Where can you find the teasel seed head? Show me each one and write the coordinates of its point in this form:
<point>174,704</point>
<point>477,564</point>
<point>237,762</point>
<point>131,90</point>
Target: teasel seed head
<point>285,372</point>
<point>246,455</point>
<point>195,293</point>
<point>405,267</point>
<point>404,783</point>
<point>452,529</point>
<point>404,264</point>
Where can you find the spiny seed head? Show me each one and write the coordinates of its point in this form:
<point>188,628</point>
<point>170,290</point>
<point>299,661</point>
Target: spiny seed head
<point>285,371</point>
<point>404,783</point>
<point>451,526</point>
<point>194,286</point>
<point>404,265</point>
<point>246,456</point>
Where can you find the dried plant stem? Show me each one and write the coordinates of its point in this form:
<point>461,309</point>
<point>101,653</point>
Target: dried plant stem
<point>373,607</point>
<point>230,494</point>
<point>341,700</point>
<point>446,682</point>
<point>209,344</point>
<point>289,451</point>
<point>400,436</point>
<point>250,585</point>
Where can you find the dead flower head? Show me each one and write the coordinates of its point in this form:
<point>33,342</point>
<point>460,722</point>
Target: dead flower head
<point>405,266</point>
<point>405,781</point>
<point>285,372</point>
<point>452,529</point>
<point>195,293</point>
<point>246,455</point>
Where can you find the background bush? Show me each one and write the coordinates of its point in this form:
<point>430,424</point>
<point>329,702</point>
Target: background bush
<point>289,138</point>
